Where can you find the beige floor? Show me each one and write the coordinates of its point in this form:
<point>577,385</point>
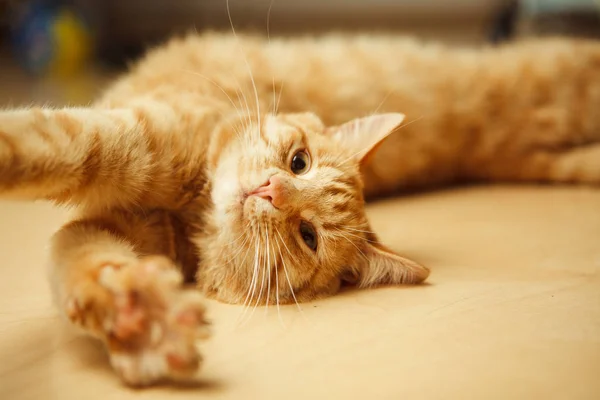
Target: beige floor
<point>512,310</point>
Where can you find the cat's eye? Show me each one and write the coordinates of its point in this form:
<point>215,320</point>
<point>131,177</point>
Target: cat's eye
<point>300,162</point>
<point>308,235</point>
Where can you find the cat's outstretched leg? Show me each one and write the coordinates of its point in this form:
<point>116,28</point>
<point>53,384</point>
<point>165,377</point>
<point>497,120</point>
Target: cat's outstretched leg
<point>72,155</point>
<point>100,158</point>
<point>135,305</point>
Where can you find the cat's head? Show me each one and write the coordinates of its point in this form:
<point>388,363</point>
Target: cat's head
<point>289,219</point>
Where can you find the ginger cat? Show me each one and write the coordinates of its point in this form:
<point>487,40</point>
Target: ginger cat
<point>243,164</point>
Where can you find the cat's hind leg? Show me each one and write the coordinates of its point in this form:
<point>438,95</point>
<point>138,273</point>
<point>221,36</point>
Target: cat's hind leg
<point>135,305</point>
<point>549,146</point>
<point>568,164</point>
<point>579,165</point>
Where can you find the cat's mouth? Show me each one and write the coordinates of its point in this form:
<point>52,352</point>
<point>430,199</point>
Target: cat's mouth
<point>252,207</point>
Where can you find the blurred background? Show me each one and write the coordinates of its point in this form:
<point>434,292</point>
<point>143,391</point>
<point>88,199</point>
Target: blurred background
<point>64,52</point>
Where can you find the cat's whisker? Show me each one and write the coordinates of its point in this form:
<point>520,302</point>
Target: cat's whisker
<point>235,106</point>
<point>274,110</point>
<point>277,283</point>
<point>269,21</point>
<point>242,235</point>
<point>268,297</point>
<point>259,273</point>
<point>287,277</point>
<point>343,235</point>
<point>234,241</point>
<point>257,265</point>
<point>248,247</point>
<point>408,123</point>
<point>233,257</point>
<point>358,230</point>
<point>322,240</point>
<point>214,83</point>
<point>262,280</point>
<point>383,101</point>
<point>252,286</point>
<point>247,66</point>
<point>279,98</point>
<point>247,119</point>
<point>350,233</point>
<point>243,263</point>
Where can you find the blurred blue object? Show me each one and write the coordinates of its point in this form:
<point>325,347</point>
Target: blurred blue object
<point>556,6</point>
<point>49,38</point>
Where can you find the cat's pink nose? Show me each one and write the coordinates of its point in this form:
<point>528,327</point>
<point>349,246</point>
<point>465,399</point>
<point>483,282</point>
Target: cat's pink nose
<point>273,190</point>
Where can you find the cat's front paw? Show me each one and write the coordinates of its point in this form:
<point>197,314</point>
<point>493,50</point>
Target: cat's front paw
<point>150,325</point>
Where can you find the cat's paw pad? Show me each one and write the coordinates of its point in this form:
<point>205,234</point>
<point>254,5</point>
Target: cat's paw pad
<point>153,324</point>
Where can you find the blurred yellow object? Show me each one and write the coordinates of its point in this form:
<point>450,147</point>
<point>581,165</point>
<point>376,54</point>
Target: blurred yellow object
<point>73,44</point>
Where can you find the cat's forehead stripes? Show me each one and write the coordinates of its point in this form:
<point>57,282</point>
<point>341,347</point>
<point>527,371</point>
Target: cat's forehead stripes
<point>275,130</point>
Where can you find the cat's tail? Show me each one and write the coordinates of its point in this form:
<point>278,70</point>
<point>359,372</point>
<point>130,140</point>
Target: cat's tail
<point>101,157</point>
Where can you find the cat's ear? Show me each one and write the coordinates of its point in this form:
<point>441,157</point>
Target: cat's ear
<point>362,136</point>
<point>382,266</point>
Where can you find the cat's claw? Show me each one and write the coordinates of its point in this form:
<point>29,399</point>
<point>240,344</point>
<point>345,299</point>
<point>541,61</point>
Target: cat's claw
<point>151,325</point>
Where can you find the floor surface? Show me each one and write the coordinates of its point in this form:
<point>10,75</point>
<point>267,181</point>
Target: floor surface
<point>512,310</point>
